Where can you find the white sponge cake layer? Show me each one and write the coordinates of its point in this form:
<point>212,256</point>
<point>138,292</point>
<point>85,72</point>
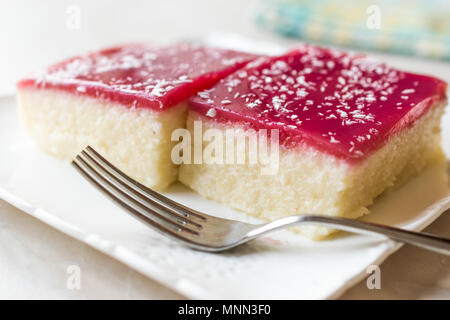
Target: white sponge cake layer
<point>137,140</point>
<point>309,181</point>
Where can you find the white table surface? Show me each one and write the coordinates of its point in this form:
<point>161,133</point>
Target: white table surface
<point>34,257</point>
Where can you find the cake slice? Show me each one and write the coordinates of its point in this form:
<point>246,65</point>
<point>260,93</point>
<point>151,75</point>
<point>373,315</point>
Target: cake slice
<point>123,101</point>
<point>345,127</point>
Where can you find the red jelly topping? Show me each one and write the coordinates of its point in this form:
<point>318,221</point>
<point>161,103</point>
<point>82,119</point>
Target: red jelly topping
<point>346,104</point>
<point>141,76</point>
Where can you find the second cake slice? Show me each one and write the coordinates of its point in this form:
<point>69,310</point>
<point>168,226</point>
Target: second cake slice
<point>347,129</point>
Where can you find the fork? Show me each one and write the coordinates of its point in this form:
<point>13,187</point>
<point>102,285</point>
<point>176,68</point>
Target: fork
<point>203,232</point>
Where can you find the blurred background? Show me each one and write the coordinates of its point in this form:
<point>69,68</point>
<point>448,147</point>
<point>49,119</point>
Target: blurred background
<point>37,33</point>
<point>412,27</point>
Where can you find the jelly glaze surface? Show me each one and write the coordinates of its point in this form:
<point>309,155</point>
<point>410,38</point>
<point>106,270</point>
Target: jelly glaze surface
<point>139,75</point>
<point>343,103</point>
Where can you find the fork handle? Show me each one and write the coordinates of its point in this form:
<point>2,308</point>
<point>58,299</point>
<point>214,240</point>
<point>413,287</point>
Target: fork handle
<point>419,239</point>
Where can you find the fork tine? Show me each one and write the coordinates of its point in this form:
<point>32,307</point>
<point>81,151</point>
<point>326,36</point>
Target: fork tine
<point>134,207</point>
<point>147,202</point>
<point>140,188</point>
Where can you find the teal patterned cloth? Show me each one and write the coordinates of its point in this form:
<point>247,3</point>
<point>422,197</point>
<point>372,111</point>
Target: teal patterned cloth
<point>418,27</point>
